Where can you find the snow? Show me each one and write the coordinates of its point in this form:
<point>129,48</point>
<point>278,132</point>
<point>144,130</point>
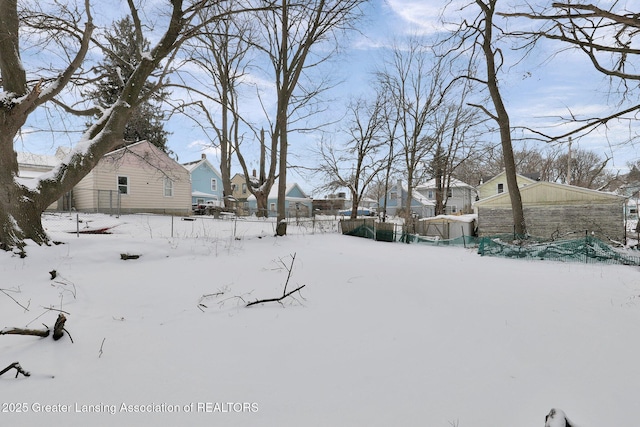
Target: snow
<point>383,334</point>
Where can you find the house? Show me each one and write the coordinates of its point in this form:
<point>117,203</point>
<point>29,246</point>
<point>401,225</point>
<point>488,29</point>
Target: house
<point>240,192</point>
<point>297,203</point>
<point>31,166</point>
<point>331,204</point>
<point>498,184</point>
<point>396,199</point>
<point>137,178</point>
<point>459,198</point>
<point>554,210</point>
<point>206,183</point>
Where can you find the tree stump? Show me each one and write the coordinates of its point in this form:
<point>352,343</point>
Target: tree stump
<point>58,328</point>
<point>281,228</point>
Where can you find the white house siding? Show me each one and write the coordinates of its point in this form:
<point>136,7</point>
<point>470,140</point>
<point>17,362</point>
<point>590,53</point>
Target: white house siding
<point>84,193</point>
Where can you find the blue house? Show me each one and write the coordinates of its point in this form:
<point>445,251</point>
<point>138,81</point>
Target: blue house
<point>396,197</point>
<point>206,183</point>
<point>297,203</point>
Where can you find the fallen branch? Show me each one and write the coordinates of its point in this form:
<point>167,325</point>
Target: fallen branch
<point>275,299</point>
<point>285,294</point>
<point>21,331</point>
<point>17,367</point>
<point>58,330</point>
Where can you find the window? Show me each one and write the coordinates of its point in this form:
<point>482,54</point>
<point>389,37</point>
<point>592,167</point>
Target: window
<point>214,184</point>
<point>272,207</point>
<point>430,194</point>
<point>449,192</point>
<point>168,187</point>
<point>244,188</point>
<point>500,188</point>
<point>123,184</point>
<point>393,195</point>
<point>234,187</point>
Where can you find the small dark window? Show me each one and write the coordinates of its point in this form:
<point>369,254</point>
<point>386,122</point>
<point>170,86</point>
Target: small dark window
<point>500,188</point>
<point>123,185</point>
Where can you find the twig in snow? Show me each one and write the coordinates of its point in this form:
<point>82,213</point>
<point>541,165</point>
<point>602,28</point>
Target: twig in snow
<point>275,299</point>
<point>285,294</point>
<point>4,291</point>
<point>100,352</point>
<point>207,296</point>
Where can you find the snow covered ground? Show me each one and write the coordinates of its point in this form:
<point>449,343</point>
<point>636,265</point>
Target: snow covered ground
<point>383,334</point>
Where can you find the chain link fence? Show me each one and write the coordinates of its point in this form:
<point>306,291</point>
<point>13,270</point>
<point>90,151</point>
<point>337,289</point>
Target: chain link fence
<point>167,226</point>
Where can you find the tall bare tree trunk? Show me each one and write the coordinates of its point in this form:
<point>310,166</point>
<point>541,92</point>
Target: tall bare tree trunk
<point>502,118</point>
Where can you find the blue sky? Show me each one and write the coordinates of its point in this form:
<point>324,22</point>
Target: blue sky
<point>535,91</point>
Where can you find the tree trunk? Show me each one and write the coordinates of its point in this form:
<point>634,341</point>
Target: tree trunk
<point>502,118</point>
<point>262,202</point>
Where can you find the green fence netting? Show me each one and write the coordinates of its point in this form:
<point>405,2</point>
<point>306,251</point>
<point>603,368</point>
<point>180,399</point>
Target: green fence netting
<point>587,249</point>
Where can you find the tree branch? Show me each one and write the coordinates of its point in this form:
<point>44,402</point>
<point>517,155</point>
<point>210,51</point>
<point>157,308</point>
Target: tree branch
<point>17,367</point>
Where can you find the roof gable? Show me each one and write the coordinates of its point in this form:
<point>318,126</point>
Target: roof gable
<point>521,178</point>
<point>202,164</point>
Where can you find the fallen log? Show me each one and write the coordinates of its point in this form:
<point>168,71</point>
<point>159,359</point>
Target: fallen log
<point>58,330</point>
<point>21,331</point>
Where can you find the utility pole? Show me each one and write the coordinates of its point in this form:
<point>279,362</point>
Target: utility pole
<point>569,163</point>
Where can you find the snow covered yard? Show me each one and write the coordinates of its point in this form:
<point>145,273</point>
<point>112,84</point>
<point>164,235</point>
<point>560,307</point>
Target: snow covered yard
<point>383,334</point>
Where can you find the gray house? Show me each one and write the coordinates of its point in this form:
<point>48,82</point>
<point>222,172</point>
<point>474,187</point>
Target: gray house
<point>459,197</point>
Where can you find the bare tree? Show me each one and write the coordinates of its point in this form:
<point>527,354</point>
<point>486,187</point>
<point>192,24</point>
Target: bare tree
<point>588,169</point>
<point>221,53</point>
<point>413,79</point>
<point>298,36</point>
<point>476,38</point>
<point>455,141</point>
<point>608,38</point>
<point>361,158</point>
<point>70,33</point>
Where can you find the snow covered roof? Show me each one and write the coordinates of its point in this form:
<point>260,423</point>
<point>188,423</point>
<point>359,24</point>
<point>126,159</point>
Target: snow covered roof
<point>38,160</point>
<point>455,183</point>
<point>453,218</point>
<point>273,194</point>
<point>191,166</point>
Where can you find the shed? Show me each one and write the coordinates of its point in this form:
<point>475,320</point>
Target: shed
<point>448,226</point>
<point>554,210</point>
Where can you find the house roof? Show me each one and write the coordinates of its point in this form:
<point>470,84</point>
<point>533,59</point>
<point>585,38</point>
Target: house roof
<point>542,192</point>
<point>532,177</point>
<point>451,218</point>
<point>425,201</point>
<point>191,166</point>
<point>273,194</point>
<point>455,183</point>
